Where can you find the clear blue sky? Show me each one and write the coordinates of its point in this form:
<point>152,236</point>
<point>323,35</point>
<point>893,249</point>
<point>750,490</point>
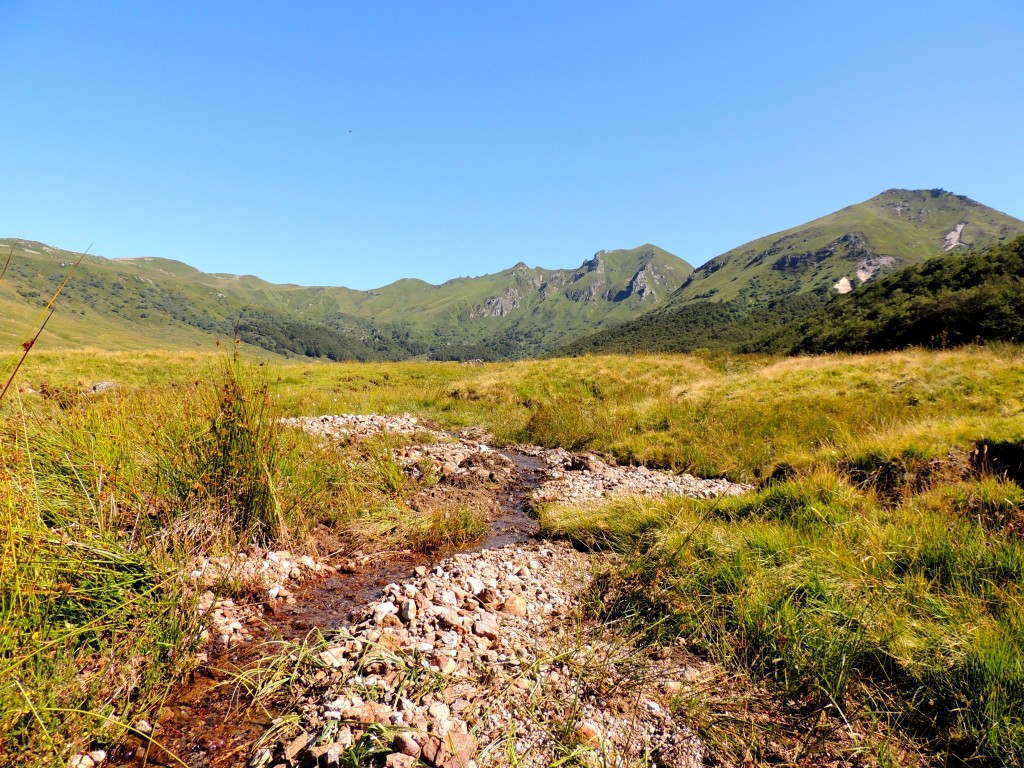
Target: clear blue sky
<point>352,144</point>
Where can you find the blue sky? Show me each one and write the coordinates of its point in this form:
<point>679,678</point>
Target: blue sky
<point>338,143</point>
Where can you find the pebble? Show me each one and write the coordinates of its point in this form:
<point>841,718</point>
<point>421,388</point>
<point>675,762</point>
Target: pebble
<point>489,667</point>
<point>355,427</point>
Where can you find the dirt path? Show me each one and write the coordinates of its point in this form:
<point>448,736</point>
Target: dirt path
<point>475,657</point>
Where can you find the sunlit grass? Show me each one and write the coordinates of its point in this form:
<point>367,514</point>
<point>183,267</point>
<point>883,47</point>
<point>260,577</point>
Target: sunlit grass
<point>876,566</point>
<point>840,599</point>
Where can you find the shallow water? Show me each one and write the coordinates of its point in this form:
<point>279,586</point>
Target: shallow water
<point>205,725</point>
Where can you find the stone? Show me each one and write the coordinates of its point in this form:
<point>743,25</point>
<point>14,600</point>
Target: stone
<point>486,629</point>
<point>297,745</point>
<point>383,609</point>
<point>462,748</point>
<point>588,734</point>
<point>406,744</point>
<point>515,606</point>
<point>448,619</point>
<point>332,657</point>
<point>333,755</point>
<point>439,712</point>
<point>317,752</point>
<point>450,638</point>
<point>368,712</point>
<point>399,760</point>
<point>434,751</point>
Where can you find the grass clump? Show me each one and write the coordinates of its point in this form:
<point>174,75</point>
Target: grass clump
<point>230,466</point>
<point>907,615</point>
<point>94,621</point>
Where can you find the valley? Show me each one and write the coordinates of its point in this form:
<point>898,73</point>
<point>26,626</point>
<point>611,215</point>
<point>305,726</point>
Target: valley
<point>440,526</point>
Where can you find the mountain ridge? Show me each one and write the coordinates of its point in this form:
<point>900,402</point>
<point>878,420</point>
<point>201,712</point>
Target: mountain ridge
<point>638,299</point>
<point>785,275</point>
<point>513,313</point>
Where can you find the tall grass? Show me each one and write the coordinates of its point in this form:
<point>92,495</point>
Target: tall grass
<point>228,466</point>
<point>93,621</point>
<point>910,614</point>
<point>875,573</point>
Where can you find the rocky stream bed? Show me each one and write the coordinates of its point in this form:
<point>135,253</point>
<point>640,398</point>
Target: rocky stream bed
<point>478,657</point>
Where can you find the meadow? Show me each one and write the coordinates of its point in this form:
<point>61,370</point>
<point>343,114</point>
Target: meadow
<point>874,575</point>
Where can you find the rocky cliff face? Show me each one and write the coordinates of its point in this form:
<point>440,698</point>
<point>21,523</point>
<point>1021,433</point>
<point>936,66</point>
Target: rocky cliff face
<point>642,285</point>
<point>498,306</point>
<point>599,279</point>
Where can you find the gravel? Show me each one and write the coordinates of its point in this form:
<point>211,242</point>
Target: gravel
<point>485,655</point>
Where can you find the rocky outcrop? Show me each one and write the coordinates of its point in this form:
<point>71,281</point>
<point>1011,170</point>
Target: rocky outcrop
<point>498,306</point>
<point>596,264</point>
<point>641,285</point>
<point>870,266</point>
<point>952,238</point>
<point>590,293</point>
<point>852,245</point>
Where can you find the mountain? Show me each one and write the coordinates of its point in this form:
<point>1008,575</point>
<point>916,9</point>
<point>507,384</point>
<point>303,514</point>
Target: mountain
<point>763,285</point>
<point>152,302</point>
<point>946,301</point>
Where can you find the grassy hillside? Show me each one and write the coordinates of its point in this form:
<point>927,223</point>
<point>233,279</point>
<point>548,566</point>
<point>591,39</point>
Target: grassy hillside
<point>762,286</point>
<point>895,229</point>
<point>158,303</point>
<point>947,301</point>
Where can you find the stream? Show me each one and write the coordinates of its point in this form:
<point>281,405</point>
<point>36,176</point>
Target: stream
<point>205,723</point>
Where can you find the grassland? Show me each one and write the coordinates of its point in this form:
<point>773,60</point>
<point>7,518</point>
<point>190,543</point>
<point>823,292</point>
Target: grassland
<point>875,574</point>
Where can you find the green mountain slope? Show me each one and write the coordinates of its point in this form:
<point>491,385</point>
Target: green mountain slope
<point>765,284</point>
<point>151,302</point>
<point>893,230</point>
<point>946,301</point>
